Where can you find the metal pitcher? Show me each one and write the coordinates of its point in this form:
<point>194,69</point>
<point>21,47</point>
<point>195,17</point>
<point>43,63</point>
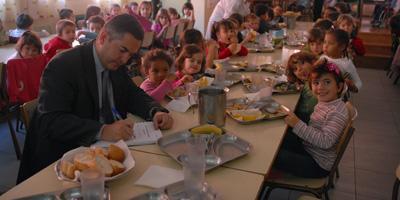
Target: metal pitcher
<point>212,103</point>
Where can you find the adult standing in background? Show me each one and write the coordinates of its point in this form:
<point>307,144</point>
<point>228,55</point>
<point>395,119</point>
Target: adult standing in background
<point>224,9</point>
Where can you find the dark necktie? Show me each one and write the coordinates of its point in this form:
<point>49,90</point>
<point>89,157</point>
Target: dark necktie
<point>106,112</point>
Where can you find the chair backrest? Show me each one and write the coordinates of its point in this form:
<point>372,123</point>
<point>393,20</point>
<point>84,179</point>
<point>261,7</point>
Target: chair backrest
<point>190,24</point>
<point>148,39</point>
<point>169,33</point>
<point>344,139</point>
<point>23,78</point>
<point>27,111</point>
<point>179,30</point>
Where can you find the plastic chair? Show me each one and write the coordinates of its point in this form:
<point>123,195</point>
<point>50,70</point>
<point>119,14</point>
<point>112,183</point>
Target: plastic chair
<point>317,186</point>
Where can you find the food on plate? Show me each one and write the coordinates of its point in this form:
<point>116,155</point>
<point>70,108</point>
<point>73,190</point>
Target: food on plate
<point>68,169</point>
<point>285,86</point>
<point>206,129</point>
<point>117,167</point>
<point>239,63</point>
<point>104,165</point>
<point>203,82</point>
<point>247,115</point>
<point>178,92</point>
<point>109,162</point>
<point>116,153</point>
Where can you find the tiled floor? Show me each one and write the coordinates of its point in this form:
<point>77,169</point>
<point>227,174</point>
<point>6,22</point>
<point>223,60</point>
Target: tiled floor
<point>367,168</point>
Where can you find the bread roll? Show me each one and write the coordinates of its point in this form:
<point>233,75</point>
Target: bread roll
<point>116,153</point>
<point>68,169</point>
<point>117,167</point>
<point>84,160</point>
<point>103,164</point>
<point>100,151</point>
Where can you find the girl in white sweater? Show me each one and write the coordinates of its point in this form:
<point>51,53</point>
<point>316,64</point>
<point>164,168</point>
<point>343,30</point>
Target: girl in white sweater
<point>310,150</point>
<point>335,51</point>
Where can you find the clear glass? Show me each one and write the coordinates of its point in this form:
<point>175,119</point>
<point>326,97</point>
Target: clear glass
<point>220,76</point>
<point>194,167</point>
<point>92,184</point>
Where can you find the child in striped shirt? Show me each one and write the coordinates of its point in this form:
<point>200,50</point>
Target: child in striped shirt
<point>310,151</point>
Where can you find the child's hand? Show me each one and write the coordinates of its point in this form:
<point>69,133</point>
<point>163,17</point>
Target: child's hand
<point>170,77</point>
<point>291,119</point>
<point>234,48</point>
<point>212,44</point>
<point>187,78</point>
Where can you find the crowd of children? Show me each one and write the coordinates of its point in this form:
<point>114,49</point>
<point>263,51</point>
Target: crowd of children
<point>324,68</point>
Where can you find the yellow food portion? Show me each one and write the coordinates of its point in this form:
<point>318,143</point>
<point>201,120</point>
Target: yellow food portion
<point>206,129</point>
<point>218,66</point>
<point>203,82</point>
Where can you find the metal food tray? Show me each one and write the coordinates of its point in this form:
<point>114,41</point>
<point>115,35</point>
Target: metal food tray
<point>289,88</point>
<point>68,194</point>
<point>275,89</point>
<point>175,191</point>
<point>231,79</point>
<point>257,48</point>
<point>269,108</point>
<point>219,150</point>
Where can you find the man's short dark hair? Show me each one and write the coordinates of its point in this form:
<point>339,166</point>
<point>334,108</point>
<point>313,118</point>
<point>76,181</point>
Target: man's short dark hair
<point>124,23</point>
<point>24,21</point>
<point>65,13</point>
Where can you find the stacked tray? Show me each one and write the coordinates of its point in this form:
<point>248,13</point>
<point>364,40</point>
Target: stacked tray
<point>244,111</point>
<point>175,191</point>
<point>219,150</point>
<point>69,194</point>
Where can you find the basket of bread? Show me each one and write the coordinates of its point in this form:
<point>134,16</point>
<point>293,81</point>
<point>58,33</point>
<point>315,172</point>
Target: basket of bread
<point>113,162</point>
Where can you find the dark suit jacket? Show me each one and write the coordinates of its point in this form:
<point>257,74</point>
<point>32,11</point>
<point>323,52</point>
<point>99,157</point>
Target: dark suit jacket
<point>68,112</point>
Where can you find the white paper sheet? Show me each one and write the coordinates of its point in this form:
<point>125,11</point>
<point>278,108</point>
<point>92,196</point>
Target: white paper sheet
<point>144,132</point>
<point>156,177</point>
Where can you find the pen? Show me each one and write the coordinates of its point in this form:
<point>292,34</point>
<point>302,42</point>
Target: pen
<point>116,114</point>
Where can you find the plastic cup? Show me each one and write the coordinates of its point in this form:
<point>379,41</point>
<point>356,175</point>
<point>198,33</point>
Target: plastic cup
<point>220,76</point>
<point>92,184</point>
<point>194,167</point>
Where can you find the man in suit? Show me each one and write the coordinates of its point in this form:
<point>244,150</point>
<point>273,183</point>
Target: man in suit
<point>83,95</point>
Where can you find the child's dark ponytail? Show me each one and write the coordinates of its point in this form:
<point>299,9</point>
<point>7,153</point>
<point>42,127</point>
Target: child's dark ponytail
<point>342,38</point>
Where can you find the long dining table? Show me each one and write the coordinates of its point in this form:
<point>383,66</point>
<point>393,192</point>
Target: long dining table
<point>241,178</point>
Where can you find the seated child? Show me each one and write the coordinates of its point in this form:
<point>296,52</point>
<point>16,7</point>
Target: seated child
<point>144,16</point>
<point>224,32</point>
<point>95,23</point>
<point>24,23</point>
<point>328,11</point>
<point>310,150</point>
<point>315,42</point>
<point>324,24</point>
<point>188,11</point>
<point>335,51</point>
<point>134,8</point>
<point>278,12</point>
<point>189,64</point>
<point>28,46</point>
<point>343,8</point>
<point>174,16</point>
<point>347,23</point>
<point>298,70</point>
<point>266,14</point>
<point>160,81</point>
<point>194,36</point>
<point>65,36</point>
<point>66,13</point>
<point>114,11</point>
<point>252,22</point>
<point>238,20</point>
<point>160,26</point>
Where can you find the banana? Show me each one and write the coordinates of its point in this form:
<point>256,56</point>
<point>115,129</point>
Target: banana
<point>206,129</point>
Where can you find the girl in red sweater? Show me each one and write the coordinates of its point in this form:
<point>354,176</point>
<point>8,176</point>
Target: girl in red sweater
<point>347,23</point>
<point>65,36</point>
<point>225,33</point>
